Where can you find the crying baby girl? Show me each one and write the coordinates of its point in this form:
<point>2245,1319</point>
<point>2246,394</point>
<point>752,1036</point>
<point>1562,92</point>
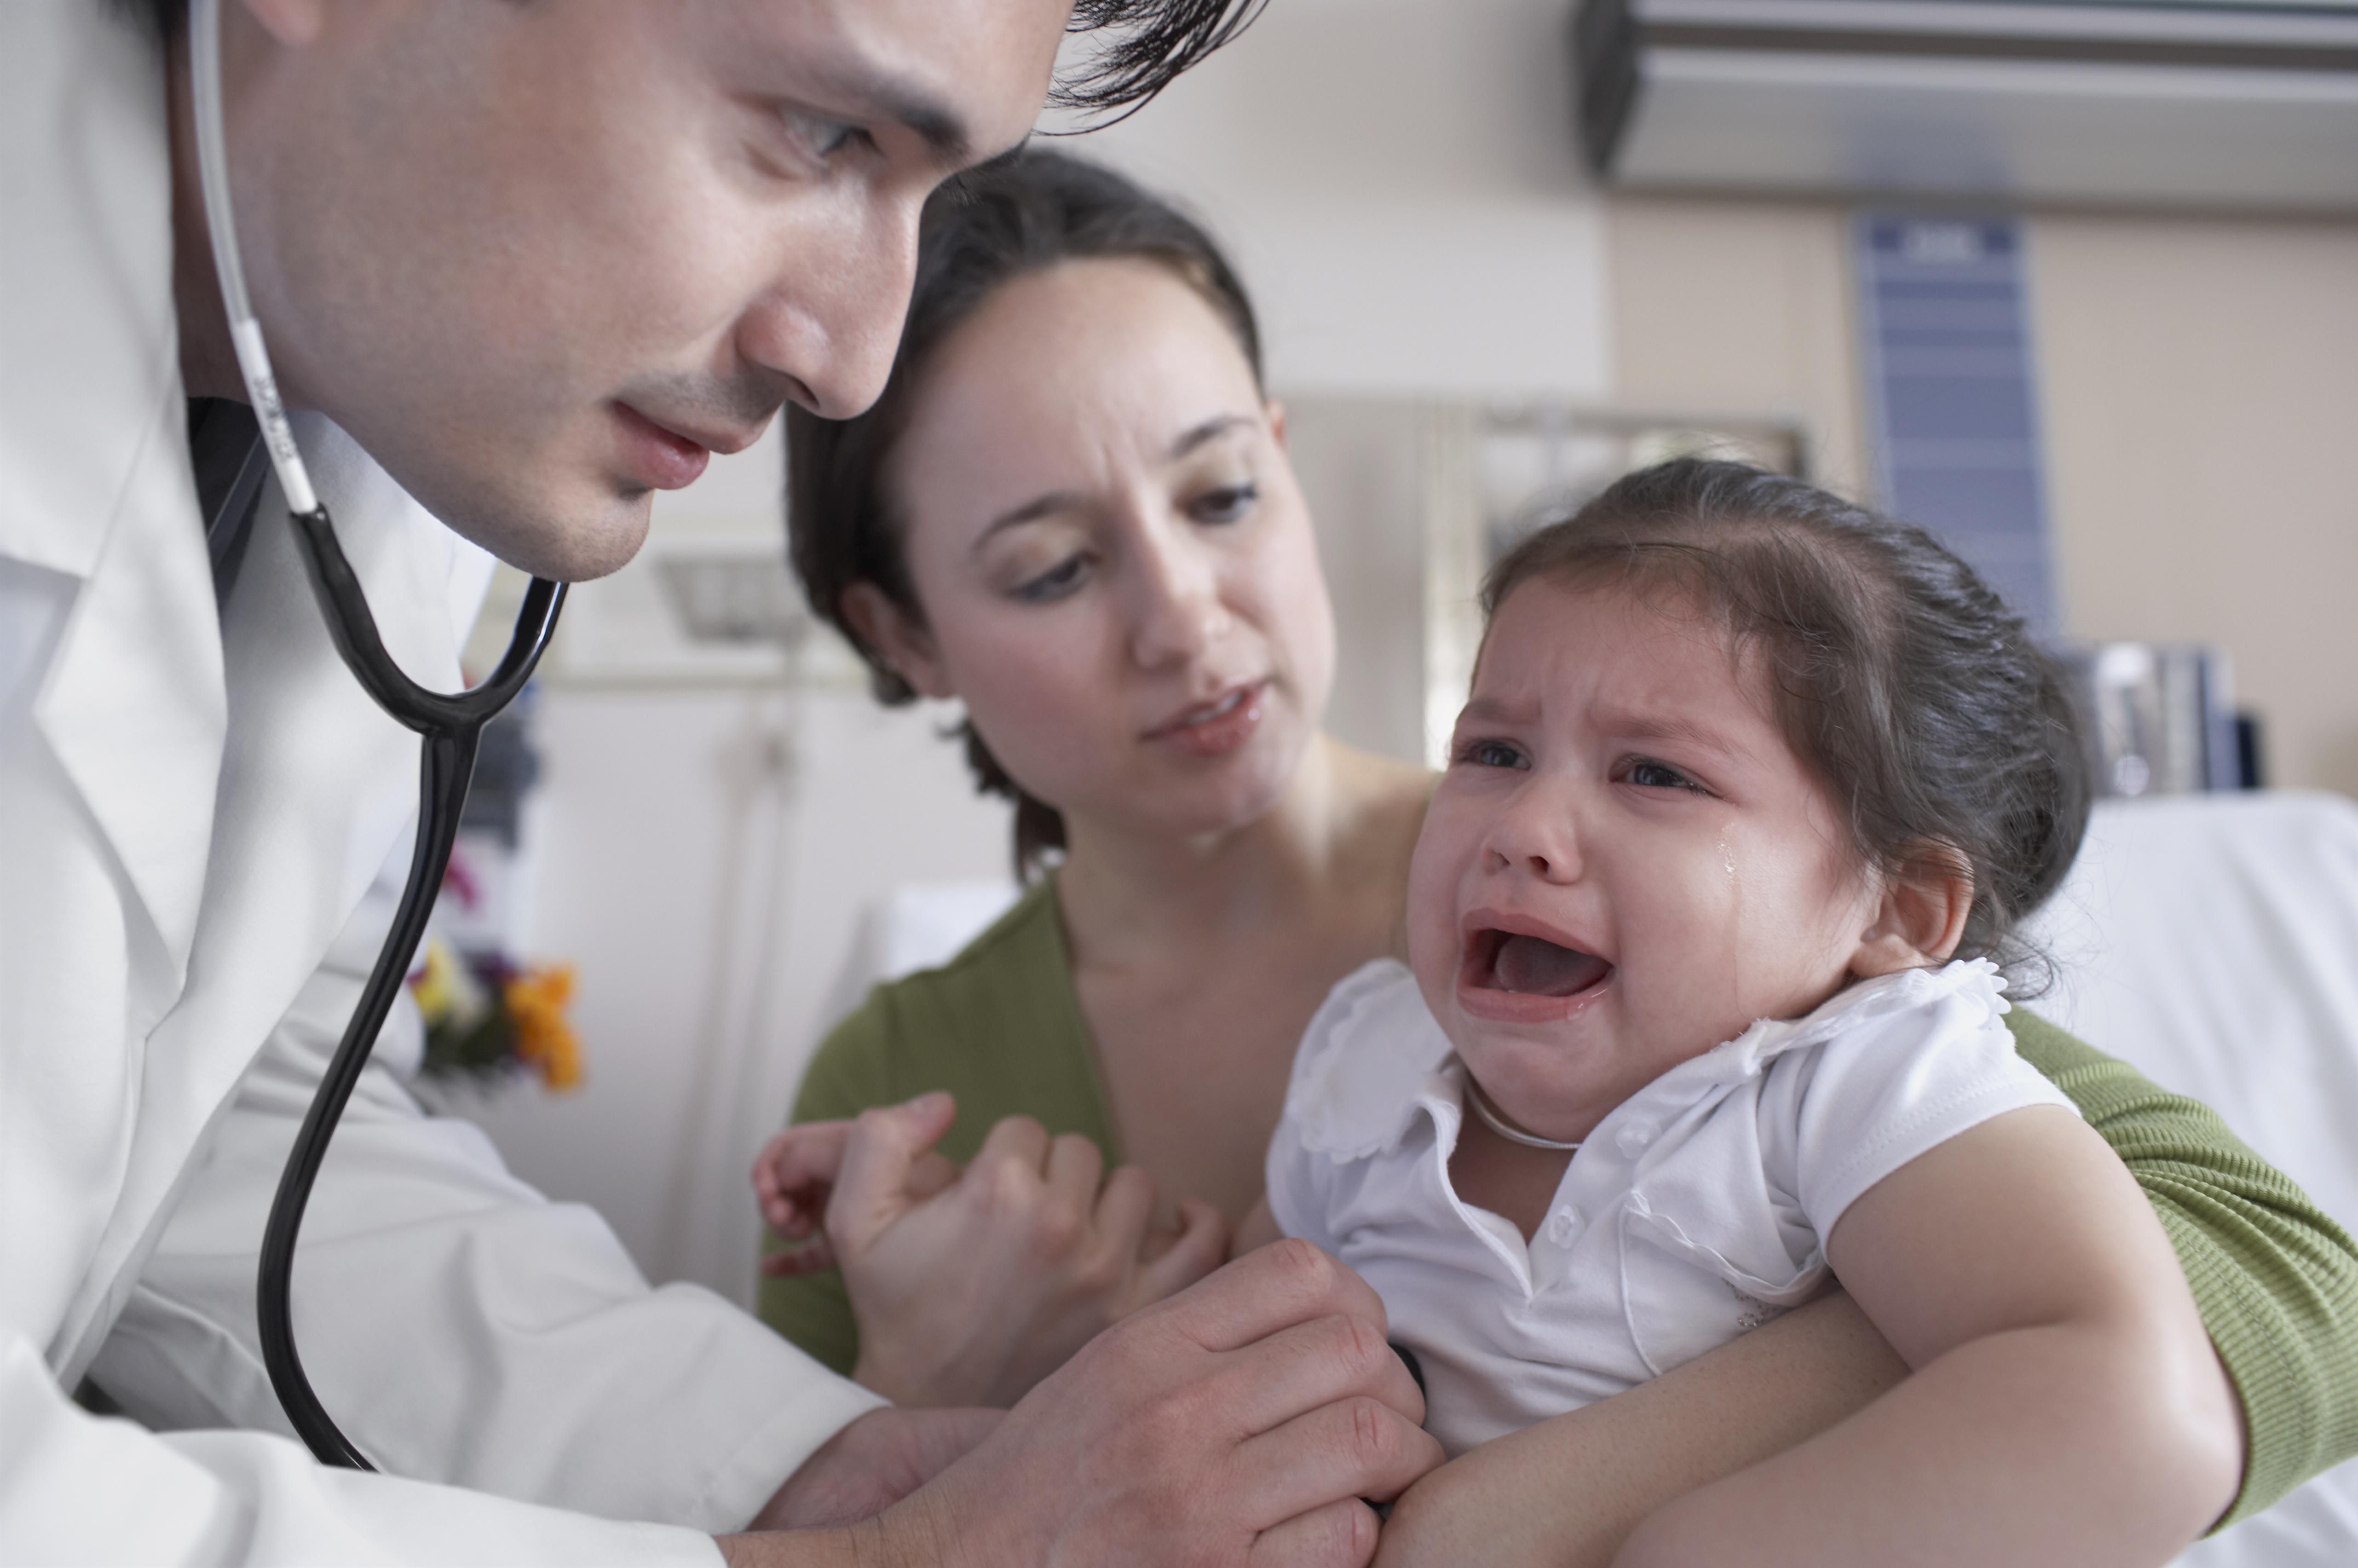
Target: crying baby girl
<point>1709,929</point>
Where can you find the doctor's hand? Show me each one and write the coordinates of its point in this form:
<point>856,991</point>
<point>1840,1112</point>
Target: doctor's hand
<point>872,1464</point>
<point>969,1287</point>
<point>1236,1424</point>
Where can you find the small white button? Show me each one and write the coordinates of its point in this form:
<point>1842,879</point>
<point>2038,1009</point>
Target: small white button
<point>1633,1139</point>
<point>1560,1228</point>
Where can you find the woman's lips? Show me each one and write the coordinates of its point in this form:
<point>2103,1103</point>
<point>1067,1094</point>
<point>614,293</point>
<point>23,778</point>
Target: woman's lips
<point>657,458</point>
<point>1510,977</point>
<point>1218,727</point>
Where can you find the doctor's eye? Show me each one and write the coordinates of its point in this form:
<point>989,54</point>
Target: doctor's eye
<point>819,137</point>
<point>1228,503</point>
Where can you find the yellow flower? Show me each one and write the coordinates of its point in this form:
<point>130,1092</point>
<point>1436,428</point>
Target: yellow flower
<point>445,991</point>
<point>536,999</point>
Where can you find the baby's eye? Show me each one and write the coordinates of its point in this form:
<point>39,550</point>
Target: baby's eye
<point>1660,775</point>
<point>1490,754</point>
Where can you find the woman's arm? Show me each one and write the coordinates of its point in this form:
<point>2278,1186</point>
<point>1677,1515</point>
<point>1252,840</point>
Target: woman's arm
<point>2276,1282</point>
<point>2065,1404</point>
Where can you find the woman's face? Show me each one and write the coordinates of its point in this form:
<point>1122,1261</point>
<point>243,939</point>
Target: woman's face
<point>1116,569</point>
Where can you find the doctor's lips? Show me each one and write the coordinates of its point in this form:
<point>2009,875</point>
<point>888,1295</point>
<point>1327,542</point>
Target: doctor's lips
<point>1218,727</point>
<point>1514,970</point>
<point>673,456</point>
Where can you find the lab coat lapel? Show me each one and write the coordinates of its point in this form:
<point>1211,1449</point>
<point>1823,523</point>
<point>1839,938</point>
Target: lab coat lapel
<point>133,702</point>
<point>318,787</point>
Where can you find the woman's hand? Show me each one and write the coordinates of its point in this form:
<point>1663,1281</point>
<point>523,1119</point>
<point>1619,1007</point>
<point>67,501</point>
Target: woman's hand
<point>971,1286</point>
<point>795,1175</point>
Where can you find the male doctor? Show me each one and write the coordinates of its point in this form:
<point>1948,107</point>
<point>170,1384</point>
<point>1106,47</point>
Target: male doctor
<point>522,263</point>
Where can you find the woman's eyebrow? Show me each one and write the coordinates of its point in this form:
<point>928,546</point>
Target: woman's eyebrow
<point>1032,511</point>
<point>1218,425</point>
<point>1057,501</point>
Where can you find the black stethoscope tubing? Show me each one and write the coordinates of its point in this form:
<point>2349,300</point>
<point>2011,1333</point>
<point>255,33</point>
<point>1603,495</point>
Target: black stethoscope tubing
<point>452,727</point>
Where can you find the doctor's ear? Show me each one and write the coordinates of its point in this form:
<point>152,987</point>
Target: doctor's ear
<point>1919,917</point>
<point>898,638</point>
<point>1274,411</point>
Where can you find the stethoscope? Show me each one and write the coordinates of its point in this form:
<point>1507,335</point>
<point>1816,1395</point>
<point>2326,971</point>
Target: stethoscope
<point>452,725</point>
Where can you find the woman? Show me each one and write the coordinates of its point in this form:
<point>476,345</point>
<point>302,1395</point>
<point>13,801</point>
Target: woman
<point>1072,511</point>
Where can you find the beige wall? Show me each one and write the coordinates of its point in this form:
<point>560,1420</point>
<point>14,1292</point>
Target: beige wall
<point>2198,383</point>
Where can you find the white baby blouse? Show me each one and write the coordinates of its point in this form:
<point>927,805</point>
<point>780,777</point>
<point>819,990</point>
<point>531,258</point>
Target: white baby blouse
<point>1696,1210</point>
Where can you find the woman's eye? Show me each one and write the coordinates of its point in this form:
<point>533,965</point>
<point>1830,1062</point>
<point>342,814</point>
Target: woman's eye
<point>1660,775</point>
<point>1489,754</point>
<point>1056,582</point>
<point>1226,504</point>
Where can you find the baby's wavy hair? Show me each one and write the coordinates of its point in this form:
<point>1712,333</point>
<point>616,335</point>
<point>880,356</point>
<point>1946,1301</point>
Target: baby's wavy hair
<point>1941,730</point>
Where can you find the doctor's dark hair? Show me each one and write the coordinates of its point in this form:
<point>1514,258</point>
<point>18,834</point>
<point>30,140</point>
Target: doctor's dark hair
<point>1000,222</point>
<point>1939,727</point>
<point>1145,43</point>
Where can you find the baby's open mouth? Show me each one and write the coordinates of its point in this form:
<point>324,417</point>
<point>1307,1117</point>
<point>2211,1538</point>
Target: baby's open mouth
<point>1531,966</point>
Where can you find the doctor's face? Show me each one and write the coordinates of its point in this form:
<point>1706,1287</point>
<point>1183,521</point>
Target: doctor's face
<point>541,259</point>
<point>1115,566</point>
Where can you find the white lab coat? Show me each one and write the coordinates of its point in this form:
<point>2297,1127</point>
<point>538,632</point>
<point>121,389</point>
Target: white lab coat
<point>193,810</point>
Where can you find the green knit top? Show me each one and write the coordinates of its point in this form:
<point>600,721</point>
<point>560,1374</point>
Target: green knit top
<point>999,1026</point>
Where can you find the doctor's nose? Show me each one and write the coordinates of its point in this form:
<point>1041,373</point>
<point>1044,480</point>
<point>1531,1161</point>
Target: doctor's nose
<point>831,323</point>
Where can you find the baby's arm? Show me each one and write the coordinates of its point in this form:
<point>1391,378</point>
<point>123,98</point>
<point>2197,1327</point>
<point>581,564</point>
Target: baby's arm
<point>2065,1406</point>
<point>1568,1492</point>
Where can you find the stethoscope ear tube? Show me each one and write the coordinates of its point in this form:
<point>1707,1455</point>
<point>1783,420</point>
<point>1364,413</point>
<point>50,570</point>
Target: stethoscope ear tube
<point>452,727</point>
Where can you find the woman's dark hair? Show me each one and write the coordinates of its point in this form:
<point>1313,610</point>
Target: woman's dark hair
<point>1147,43</point>
<point>1940,728</point>
<point>1025,215</point>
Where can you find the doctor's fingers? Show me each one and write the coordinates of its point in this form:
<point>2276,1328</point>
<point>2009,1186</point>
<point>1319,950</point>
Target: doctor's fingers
<point>1353,1448</point>
<point>1269,1289</point>
<point>1358,1448</point>
<point>1308,1367</point>
<point>1342,1534</point>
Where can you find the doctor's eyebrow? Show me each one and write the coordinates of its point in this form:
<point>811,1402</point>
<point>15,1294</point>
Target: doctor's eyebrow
<point>880,95</point>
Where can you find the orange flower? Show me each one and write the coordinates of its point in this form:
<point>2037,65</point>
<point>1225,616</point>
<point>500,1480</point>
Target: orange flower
<point>536,999</point>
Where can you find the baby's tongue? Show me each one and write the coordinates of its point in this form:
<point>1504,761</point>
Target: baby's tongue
<point>1540,968</point>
